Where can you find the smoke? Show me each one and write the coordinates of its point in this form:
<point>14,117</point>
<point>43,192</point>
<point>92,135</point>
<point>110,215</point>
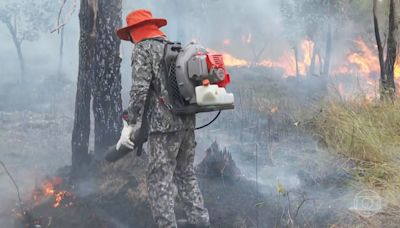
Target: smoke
<point>36,122</point>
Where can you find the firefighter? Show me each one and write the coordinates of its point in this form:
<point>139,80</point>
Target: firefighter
<point>171,137</point>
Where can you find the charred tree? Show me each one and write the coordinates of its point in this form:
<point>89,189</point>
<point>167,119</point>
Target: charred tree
<point>333,10</point>
<point>81,130</point>
<point>107,103</point>
<point>99,78</point>
<point>379,45</point>
<point>391,50</point>
<point>387,85</point>
<point>314,58</point>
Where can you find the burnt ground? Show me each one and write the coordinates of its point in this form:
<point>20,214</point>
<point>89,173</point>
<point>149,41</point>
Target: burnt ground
<point>118,199</point>
<point>298,184</point>
<point>287,179</point>
<point>229,206</point>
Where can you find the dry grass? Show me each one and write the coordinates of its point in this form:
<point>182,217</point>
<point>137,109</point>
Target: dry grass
<point>368,133</point>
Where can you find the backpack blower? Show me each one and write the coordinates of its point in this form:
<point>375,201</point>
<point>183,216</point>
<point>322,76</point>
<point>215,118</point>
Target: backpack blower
<point>195,80</point>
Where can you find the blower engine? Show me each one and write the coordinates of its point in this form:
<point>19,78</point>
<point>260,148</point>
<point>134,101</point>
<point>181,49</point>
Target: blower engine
<point>196,79</point>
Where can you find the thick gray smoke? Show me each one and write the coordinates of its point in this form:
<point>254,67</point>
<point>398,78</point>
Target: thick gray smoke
<point>36,118</point>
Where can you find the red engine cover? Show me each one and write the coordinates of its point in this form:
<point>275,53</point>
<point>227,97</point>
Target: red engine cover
<point>216,61</point>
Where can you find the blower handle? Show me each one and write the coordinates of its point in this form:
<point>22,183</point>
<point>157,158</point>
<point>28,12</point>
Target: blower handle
<point>113,155</point>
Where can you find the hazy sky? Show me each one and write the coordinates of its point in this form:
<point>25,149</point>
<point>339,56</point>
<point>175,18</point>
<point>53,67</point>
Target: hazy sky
<point>210,22</point>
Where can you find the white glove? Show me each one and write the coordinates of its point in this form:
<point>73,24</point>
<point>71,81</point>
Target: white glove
<point>125,139</point>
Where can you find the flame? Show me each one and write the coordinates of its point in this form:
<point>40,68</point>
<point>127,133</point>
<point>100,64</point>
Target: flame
<point>230,60</point>
<point>397,68</point>
<point>59,198</point>
<point>287,61</point>
<point>49,189</point>
<point>363,61</point>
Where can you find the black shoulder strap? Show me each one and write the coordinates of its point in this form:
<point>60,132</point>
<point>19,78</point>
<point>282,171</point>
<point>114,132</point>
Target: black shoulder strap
<point>142,135</point>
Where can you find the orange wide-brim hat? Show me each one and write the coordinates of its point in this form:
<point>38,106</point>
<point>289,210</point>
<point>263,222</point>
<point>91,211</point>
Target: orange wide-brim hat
<point>137,18</point>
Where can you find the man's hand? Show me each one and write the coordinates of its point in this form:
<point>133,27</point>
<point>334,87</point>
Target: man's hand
<point>125,139</point>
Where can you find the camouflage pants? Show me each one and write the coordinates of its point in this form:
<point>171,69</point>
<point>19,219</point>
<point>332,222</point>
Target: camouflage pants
<point>171,158</point>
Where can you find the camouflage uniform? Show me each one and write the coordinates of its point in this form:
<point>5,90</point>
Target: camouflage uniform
<point>171,140</point>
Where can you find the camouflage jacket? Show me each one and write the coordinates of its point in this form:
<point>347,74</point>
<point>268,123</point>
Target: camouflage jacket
<point>148,77</point>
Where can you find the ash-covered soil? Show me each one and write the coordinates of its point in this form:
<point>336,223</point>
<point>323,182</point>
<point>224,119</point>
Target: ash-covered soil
<point>229,204</point>
<point>286,178</point>
<point>116,196</point>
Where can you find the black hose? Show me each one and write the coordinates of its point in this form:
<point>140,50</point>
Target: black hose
<point>205,125</point>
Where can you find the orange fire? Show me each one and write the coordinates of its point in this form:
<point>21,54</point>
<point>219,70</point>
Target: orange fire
<point>49,189</point>
<point>397,68</point>
<point>60,198</point>
<point>230,60</point>
<point>287,61</point>
<point>362,62</point>
<point>365,61</point>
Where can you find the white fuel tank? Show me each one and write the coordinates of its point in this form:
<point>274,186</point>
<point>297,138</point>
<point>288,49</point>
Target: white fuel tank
<point>212,95</point>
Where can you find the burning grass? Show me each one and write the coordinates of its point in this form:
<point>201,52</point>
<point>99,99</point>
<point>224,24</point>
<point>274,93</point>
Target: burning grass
<point>368,133</point>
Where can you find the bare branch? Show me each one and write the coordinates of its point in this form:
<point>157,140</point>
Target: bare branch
<point>15,184</point>
<point>59,13</point>
<point>66,18</point>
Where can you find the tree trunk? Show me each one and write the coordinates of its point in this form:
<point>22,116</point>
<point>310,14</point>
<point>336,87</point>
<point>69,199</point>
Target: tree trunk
<point>328,49</point>
<point>296,59</point>
<point>107,103</point>
<point>391,51</point>
<point>21,62</point>
<point>257,54</point>
<point>315,51</point>
<point>380,50</point>
<point>17,44</point>
<point>387,85</point>
<point>61,53</point>
<point>81,131</point>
